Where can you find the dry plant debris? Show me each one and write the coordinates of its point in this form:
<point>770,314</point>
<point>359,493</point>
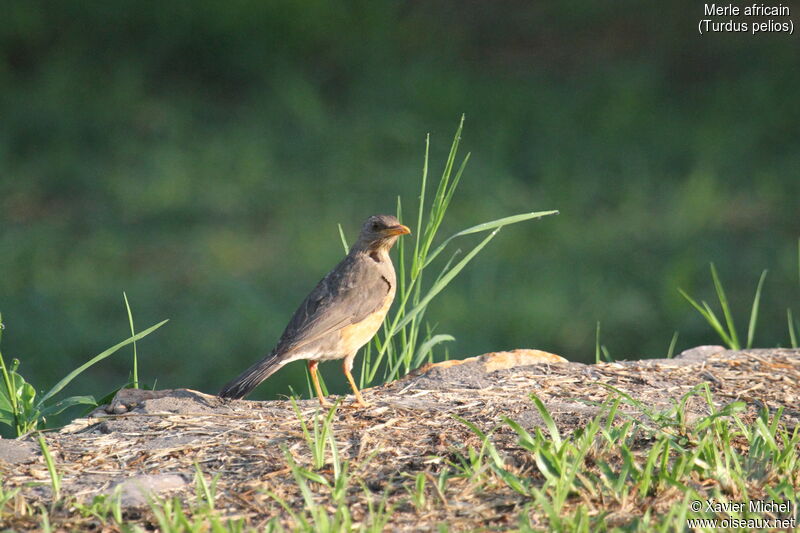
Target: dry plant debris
<point>410,428</point>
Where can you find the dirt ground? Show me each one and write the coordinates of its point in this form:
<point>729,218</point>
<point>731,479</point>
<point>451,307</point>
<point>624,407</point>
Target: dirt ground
<point>152,445</point>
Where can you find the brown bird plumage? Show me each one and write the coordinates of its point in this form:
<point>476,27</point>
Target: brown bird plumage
<point>342,313</point>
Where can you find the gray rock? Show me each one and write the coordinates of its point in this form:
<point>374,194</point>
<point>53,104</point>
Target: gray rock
<point>17,451</point>
<point>469,375</point>
<point>145,401</point>
<point>689,357</point>
<point>137,490</point>
<point>700,353</point>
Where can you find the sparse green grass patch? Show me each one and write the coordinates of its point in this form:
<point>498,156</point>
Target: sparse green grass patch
<point>629,466</point>
<point>24,412</point>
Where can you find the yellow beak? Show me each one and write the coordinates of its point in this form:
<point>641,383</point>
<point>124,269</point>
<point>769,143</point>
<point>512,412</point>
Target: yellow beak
<point>397,230</point>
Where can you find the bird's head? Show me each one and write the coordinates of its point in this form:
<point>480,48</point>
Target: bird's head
<point>380,232</point>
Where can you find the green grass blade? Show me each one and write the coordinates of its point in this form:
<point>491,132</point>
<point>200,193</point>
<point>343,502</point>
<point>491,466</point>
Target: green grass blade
<point>72,375</point>
<point>717,325</point>
<point>486,226</point>
<point>428,345</point>
<point>303,426</point>
<point>548,420</point>
<point>55,478</point>
<point>597,343</point>
<point>482,435</point>
<point>344,239</point>
<point>525,439</point>
<point>751,328</point>
<point>710,317</point>
<point>672,343</point>
<point>66,403</point>
<point>726,310</point>
<point>445,280</point>
<point>203,489</point>
<point>446,267</point>
<point>729,410</point>
<point>692,301</point>
<point>444,182</point>
<point>423,187</point>
<point>135,384</point>
<point>456,179</point>
<point>792,332</point>
<point>437,211</point>
<point>606,354</point>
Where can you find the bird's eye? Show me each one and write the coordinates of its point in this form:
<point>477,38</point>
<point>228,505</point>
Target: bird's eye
<point>375,226</point>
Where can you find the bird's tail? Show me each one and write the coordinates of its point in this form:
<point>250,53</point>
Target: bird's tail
<point>250,378</point>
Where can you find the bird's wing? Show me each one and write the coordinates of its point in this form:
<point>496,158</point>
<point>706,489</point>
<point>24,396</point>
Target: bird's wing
<point>351,292</point>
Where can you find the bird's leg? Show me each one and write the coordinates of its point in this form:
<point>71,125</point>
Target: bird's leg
<point>347,364</point>
<point>312,367</point>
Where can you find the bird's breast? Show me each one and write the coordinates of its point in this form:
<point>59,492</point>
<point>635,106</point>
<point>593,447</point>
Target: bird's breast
<point>357,335</point>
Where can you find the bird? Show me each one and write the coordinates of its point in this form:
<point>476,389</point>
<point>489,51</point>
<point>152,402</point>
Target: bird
<point>340,315</point>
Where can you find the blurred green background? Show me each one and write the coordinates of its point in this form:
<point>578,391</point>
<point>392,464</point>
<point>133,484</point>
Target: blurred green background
<point>199,155</point>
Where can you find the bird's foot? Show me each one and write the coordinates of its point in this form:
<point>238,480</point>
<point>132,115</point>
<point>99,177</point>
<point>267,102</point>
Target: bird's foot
<point>359,404</point>
<point>325,403</point>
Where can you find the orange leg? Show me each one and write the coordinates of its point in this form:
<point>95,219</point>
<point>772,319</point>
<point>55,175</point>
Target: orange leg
<point>359,399</point>
<point>312,367</point>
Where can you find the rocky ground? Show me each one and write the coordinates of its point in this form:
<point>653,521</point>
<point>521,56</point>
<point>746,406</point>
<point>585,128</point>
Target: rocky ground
<point>149,443</point>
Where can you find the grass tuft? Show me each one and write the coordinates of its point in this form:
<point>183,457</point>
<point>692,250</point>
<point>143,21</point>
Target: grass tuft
<point>19,406</point>
<point>406,341</point>
<point>318,438</point>
<point>728,332</point>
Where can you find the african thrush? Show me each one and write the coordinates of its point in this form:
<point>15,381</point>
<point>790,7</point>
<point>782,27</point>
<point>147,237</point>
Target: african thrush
<point>342,313</point>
